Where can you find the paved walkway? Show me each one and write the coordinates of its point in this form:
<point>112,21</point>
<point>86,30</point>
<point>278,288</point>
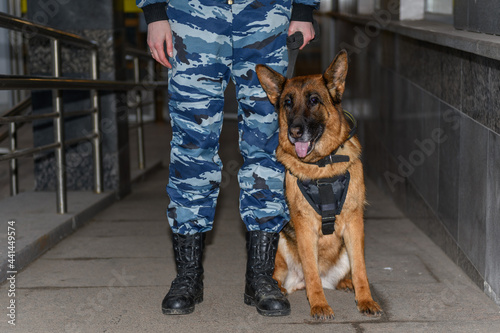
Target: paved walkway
<point>111,275</point>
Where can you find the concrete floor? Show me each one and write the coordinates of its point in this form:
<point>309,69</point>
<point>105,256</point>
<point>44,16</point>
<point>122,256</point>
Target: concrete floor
<point>112,274</point>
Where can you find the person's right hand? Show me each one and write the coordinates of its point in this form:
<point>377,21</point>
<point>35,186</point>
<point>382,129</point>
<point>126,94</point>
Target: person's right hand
<point>306,28</point>
<point>159,33</point>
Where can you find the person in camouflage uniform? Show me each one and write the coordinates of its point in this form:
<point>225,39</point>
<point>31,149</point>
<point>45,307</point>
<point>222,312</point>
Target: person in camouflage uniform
<point>208,43</point>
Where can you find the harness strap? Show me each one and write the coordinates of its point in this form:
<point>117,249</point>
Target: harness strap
<point>293,43</point>
<point>309,197</point>
<point>328,205</point>
<point>327,197</point>
<point>332,158</point>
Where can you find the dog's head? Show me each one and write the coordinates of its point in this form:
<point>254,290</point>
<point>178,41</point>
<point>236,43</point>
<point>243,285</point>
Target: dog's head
<point>310,114</point>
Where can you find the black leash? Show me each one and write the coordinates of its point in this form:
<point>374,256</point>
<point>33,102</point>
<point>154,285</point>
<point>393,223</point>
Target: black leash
<point>293,43</point>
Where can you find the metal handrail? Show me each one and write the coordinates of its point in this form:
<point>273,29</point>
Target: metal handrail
<point>17,109</point>
<point>136,56</point>
<point>30,28</point>
<point>56,36</point>
<point>29,151</point>
<point>8,82</point>
<point>24,119</point>
<point>132,52</point>
<point>56,84</point>
<point>20,107</point>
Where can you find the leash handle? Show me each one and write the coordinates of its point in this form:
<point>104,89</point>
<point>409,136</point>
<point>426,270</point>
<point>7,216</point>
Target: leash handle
<point>293,43</point>
<point>296,40</point>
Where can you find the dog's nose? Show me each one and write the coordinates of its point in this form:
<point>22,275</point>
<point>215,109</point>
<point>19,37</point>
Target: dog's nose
<point>296,131</point>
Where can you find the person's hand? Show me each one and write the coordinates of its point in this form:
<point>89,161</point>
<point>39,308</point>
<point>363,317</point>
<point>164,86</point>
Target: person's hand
<point>159,33</point>
<point>306,28</point>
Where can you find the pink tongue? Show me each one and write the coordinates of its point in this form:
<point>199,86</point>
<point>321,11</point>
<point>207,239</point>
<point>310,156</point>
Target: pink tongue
<point>301,148</point>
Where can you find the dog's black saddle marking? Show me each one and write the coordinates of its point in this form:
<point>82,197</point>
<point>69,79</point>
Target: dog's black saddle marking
<point>327,197</point>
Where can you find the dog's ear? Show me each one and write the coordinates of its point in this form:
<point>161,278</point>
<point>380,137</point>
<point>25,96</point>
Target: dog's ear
<point>272,82</point>
<point>335,76</point>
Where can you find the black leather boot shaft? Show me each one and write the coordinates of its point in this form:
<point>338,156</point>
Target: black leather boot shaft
<point>261,290</point>
<point>187,288</point>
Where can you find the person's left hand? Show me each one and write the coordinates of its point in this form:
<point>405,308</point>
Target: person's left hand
<point>306,28</point>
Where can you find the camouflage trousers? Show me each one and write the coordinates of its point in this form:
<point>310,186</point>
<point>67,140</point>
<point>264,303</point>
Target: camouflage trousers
<point>215,42</point>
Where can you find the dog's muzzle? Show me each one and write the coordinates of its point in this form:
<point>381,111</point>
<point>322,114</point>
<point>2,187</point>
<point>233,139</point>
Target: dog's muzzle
<point>302,139</point>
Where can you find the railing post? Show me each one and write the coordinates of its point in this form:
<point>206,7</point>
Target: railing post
<point>158,102</point>
<point>138,112</point>
<point>16,49</point>
<point>59,130</point>
<point>14,180</point>
<point>96,142</point>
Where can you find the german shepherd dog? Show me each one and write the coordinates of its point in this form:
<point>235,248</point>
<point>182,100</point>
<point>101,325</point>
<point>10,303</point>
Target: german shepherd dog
<point>313,127</point>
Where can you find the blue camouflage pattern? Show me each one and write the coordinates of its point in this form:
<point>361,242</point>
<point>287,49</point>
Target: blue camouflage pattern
<point>215,42</point>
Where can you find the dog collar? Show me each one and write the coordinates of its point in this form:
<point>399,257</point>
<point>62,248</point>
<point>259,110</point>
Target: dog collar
<point>333,157</point>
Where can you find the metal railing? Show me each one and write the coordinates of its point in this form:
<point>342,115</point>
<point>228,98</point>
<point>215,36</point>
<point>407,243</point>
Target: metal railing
<point>11,133</point>
<point>56,83</point>
<point>136,56</point>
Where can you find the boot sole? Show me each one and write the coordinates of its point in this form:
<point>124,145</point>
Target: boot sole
<point>268,313</point>
<point>167,311</point>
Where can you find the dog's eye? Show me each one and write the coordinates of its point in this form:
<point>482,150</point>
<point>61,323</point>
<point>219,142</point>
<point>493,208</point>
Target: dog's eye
<point>313,100</point>
<point>288,102</point>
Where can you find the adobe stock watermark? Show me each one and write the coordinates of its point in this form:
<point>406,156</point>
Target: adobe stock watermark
<point>363,37</point>
<point>11,271</point>
<point>425,148</point>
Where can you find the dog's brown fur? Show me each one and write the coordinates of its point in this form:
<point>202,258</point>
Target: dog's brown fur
<point>307,257</point>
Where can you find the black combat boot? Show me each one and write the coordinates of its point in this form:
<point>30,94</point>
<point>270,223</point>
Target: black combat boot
<point>261,290</point>
<point>187,288</point>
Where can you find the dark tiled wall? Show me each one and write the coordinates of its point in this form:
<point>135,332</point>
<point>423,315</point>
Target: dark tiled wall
<point>492,272</point>
<point>481,16</point>
<point>431,138</point>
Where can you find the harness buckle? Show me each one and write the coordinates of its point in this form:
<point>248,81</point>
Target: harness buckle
<point>328,227</point>
<point>323,181</point>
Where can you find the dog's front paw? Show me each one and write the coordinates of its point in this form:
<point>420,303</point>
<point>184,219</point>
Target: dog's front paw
<point>369,308</point>
<point>322,312</point>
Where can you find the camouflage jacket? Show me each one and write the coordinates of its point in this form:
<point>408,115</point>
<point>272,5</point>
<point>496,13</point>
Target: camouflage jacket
<point>154,10</point>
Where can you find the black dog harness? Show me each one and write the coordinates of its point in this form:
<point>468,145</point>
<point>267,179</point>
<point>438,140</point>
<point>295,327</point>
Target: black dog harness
<point>327,195</point>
